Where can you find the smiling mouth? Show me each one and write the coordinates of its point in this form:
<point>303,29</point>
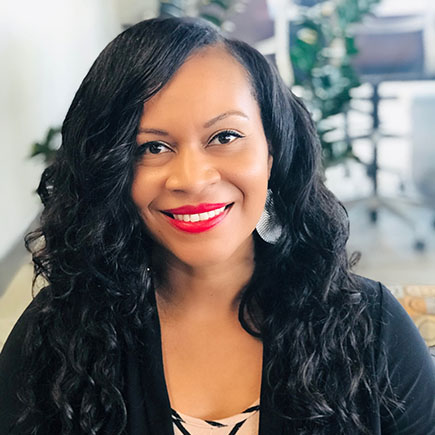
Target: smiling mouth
<point>197,217</point>
<point>201,220</point>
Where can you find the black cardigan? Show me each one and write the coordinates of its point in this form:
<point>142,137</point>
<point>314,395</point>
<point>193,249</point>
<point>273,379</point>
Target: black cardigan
<point>411,368</point>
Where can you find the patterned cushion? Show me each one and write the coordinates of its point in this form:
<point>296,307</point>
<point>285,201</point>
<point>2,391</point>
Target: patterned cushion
<point>419,302</point>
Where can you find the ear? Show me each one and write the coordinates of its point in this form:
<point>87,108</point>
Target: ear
<point>269,165</point>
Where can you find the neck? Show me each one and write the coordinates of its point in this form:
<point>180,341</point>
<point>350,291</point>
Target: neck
<point>203,291</point>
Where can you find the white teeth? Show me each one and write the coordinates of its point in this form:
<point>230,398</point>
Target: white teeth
<point>198,217</point>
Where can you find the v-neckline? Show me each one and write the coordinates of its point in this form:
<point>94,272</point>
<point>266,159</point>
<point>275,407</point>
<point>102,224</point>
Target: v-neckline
<point>268,422</point>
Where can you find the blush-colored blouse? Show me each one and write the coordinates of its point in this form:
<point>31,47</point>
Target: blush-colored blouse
<point>244,423</point>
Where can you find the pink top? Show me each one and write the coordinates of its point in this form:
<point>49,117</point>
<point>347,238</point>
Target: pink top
<point>245,423</point>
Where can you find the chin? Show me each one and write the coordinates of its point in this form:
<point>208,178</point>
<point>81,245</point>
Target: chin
<point>204,255</point>
<point>204,259</point>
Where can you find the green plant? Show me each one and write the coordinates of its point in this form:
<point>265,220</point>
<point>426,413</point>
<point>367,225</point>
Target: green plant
<point>321,52</point>
<point>48,146</point>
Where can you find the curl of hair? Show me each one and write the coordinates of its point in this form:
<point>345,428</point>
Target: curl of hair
<point>93,251</point>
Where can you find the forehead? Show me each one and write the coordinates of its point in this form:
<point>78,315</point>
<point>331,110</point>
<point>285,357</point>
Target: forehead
<point>210,82</point>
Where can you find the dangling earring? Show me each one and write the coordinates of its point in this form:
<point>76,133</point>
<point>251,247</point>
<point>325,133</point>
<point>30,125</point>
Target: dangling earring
<point>268,227</point>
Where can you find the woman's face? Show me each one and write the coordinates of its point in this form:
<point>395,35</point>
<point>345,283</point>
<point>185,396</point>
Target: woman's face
<point>202,175</point>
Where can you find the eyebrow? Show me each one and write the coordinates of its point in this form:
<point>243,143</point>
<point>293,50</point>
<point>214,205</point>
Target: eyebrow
<point>206,125</point>
<point>223,116</point>
<point>153,131</point>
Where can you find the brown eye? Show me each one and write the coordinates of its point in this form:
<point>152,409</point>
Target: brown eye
<point>225,137</point>
<point>153,148</point>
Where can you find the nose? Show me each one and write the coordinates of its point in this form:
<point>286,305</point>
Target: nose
<point>192,171</point>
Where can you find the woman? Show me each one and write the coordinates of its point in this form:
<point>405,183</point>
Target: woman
<point>166,310</point>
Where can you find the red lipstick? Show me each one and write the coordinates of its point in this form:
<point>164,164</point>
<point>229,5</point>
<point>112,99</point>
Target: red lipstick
<point>197,226</point>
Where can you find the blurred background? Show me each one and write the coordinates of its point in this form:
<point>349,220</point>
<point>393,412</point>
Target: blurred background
<point>366,69</point>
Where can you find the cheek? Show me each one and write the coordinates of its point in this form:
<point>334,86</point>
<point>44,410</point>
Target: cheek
<point>138,192</point>
<point>143,189</point>
<point>251,175</point>
<point>254,167</point>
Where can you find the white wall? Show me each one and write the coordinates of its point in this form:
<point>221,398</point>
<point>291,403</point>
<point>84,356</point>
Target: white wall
<point>401,7</point>
<point>46,48</point>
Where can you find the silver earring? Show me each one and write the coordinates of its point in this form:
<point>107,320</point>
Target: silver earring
<point>268,227</point>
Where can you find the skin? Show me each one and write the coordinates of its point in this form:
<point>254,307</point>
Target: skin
<point>212,365</point>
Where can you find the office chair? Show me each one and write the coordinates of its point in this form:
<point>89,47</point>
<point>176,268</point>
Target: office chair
<point>390,49</point>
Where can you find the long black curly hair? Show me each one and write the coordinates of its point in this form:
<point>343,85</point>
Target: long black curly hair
<point>93,251</point>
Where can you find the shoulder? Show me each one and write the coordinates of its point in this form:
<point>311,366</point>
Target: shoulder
<point>394,324</point>
<point>369,288</point>
<point>395,327</point>
<point>11,364</point>
<point>13,344</point>
<point>395,330</point>
<point>403,361</point>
